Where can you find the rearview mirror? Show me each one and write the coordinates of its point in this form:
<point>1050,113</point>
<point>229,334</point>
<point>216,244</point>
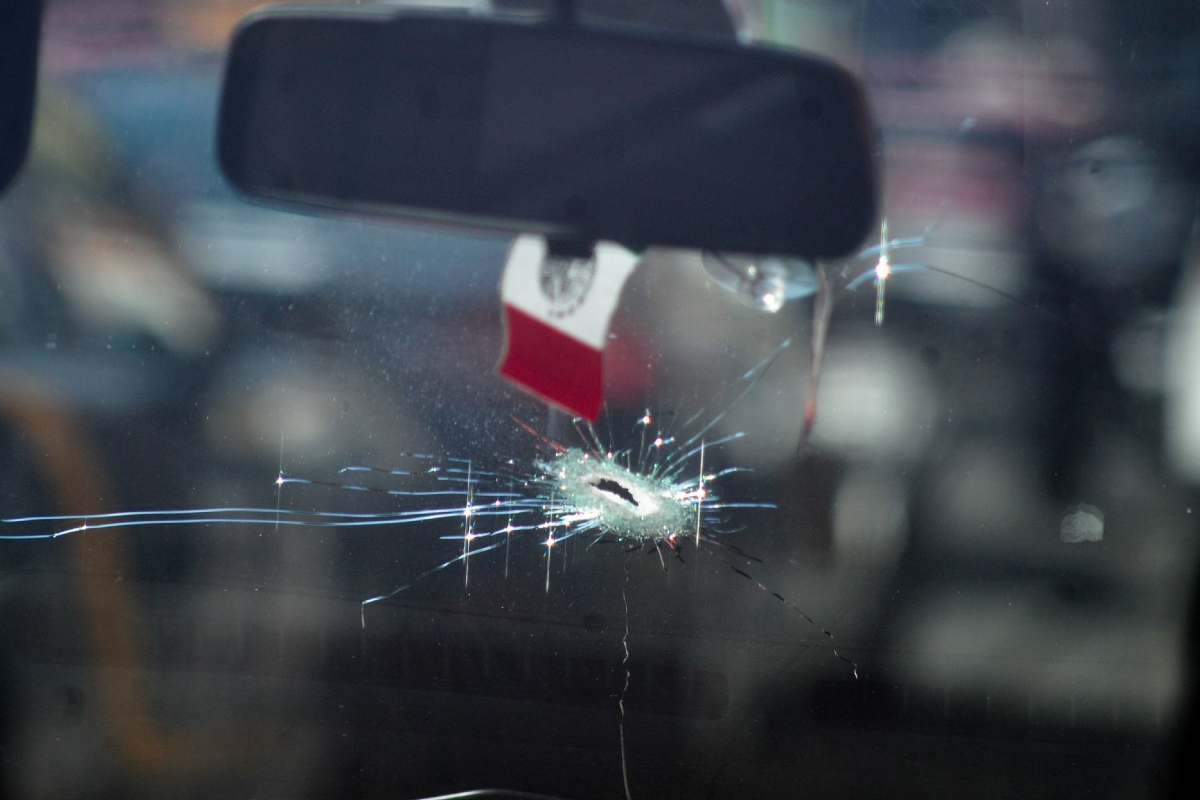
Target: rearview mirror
<point>577,133</point>
<point>19,23</point>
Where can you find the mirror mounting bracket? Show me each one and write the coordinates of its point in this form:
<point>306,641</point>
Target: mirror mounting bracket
<point>572,247</point>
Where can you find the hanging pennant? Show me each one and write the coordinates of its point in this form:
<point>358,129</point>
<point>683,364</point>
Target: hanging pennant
<point>557,311</point>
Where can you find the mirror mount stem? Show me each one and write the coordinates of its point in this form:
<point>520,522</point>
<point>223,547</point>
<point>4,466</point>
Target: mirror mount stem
<point>565,13</point>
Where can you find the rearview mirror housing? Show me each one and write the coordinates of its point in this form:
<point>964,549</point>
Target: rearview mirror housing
<point>576,132</point>
<point>19,26</point>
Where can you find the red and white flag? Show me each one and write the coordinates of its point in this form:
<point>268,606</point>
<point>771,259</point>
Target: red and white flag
<point>556,316</point>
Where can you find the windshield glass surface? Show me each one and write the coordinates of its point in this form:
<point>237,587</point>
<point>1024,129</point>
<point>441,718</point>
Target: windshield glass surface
<point>274,526</point>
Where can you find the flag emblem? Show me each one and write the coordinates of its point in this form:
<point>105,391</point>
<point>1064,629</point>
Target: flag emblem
<point>557,312</point>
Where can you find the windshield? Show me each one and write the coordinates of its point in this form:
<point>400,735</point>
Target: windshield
<point>275,527</point>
